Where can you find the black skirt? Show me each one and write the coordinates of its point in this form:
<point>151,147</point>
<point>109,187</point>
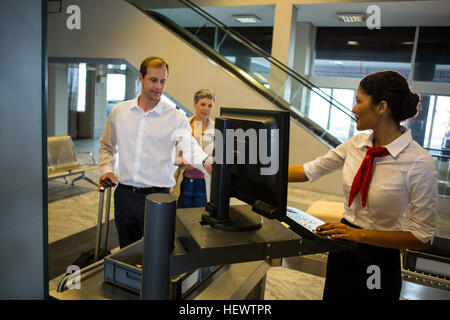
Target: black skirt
<point>367,273</point>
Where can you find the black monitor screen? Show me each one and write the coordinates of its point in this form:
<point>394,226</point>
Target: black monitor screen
<point>251,164</point>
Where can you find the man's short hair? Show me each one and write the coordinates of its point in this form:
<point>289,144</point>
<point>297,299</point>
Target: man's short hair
<point>204,93</point>
<point>156,62</point>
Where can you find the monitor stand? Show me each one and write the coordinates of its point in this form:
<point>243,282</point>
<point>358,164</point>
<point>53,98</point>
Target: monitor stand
<point>240,218</point>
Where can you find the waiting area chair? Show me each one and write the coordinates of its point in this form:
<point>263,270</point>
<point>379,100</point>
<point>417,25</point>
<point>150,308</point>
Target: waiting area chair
<point>62,160</point>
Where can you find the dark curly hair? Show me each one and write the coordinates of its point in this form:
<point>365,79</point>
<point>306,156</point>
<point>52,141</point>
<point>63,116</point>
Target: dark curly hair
<point>393,88</point>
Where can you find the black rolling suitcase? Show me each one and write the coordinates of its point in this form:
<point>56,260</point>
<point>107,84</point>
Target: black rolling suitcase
<point>97,253</point>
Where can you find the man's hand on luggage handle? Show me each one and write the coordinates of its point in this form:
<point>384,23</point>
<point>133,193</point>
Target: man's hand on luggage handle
<point>106,180</point>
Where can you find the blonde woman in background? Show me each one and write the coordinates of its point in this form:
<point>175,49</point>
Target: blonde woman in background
<point>193,186</point>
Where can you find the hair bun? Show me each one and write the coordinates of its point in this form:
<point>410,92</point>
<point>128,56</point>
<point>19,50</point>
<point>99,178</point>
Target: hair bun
<point>410,106</point>
<point>392,87</point>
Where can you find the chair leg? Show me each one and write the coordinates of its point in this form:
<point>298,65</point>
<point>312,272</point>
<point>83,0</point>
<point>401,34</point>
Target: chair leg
<point>78,178</point>
<point>65,180</point>
<point>89,180</point>
<point>84,177</point>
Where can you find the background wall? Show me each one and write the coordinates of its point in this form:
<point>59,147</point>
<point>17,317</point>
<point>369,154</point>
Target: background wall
<point>23,230</point>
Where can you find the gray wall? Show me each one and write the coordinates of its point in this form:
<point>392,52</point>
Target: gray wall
<point>23,231</point>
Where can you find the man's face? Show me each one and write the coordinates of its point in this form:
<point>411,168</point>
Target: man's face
<point>154,82</point>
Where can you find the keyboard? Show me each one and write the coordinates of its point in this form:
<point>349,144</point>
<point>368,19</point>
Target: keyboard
<point>303,223</point>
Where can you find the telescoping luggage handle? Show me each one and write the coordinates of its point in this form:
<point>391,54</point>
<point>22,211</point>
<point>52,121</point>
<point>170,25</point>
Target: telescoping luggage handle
<point>97,253</point>
<point>100,222</point>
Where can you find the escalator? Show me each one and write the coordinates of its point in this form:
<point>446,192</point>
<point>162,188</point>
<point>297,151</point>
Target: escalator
<point>247,61</point>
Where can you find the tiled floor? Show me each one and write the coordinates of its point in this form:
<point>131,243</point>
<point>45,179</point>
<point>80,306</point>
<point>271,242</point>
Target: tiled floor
<point>72,217</point>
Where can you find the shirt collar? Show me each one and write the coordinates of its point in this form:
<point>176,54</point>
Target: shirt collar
<point>399,144</point>
<point>396,146</point>
<point>134,103</point>
<point>158,108</point>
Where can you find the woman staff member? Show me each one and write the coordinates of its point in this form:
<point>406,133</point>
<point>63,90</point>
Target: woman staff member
<point>193,185</point>
<point>402,176</point>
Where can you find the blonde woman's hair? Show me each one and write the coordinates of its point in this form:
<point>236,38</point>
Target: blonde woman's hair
<point>204,93</point>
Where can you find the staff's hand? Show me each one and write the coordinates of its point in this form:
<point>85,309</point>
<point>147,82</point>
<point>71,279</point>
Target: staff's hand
<point>340,231</point>
<point>106,180</point>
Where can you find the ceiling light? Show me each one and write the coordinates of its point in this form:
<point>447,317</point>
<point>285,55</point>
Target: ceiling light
<point>247,18</point>
<point>351,17</point>
<point>352,43</point>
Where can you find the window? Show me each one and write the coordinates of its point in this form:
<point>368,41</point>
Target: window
<point>433,55</point>
<point>319,109</point>
<point>438,122</point>
<point>341,122</point>
<point>76,82</point>
<point>336,121</point>
<point>356,52</point>
<point>81,104</point>
<point>115,87</point>
<point>356,68</point>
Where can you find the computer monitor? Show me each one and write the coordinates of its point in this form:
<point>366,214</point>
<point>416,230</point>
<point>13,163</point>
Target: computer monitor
<point>251,151</point>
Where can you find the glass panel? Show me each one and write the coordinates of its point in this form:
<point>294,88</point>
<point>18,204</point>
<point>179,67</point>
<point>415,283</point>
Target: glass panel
<point>260,69</point>
<point>440,123</point>
<point>433,55</point>
<point>355,68</point>
<point>340,122</point>
<point>356,52</point>
<point>430,119</point>
<point>319,109</point>
<point>345,97</point>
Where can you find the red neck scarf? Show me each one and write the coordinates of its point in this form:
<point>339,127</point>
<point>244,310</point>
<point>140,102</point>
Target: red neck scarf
<point>364,174</point>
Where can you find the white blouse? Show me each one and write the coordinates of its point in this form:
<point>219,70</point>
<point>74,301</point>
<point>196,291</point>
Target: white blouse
<point>406,179</point>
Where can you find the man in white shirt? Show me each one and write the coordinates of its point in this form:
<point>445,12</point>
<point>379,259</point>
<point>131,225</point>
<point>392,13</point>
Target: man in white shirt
<point>143,131</point>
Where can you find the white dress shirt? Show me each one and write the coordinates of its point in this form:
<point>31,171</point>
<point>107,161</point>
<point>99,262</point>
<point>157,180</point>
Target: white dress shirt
<point>406,179</point>
<point>145,143</point>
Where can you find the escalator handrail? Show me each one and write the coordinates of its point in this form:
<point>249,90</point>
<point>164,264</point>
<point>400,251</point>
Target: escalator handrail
<point>262,53</point>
